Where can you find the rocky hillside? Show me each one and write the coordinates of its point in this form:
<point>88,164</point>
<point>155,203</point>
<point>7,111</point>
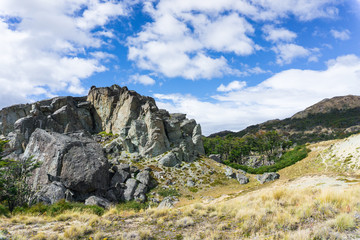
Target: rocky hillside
<point>313,199</point>
<point>88,146</point>
<point>333,118</point>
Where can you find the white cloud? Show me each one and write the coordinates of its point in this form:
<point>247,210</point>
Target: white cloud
<point>234,85</point>
<point>142,79</point>
<point>168,46</point>
<point>342,35</point>
<point>48,46</point>
<point>278,34</point>
<point>286,53</point>
<point>280,96</point>
<point>184,31</point>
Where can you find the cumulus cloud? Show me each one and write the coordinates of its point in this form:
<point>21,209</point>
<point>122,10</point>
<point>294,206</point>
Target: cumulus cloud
<point>50,46</point>
<point>280,96</point>
<point>342,35</point>
<point>278,34</point>
<point>142,79</point>
<point>234,85</point>
<point>286,53</point>
<point>187,33</point>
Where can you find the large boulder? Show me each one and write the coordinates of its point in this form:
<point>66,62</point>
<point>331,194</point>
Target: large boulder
<point>77,161</point>
<point>267,177</point>
<point>98,201</point>
<point>242,179</point>
<point>169,160</point>
<point>51,193</point>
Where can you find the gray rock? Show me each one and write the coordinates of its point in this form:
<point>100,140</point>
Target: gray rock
<point>216,157</point>
<point>242,178</point>
<point>78,162</point>
<point>124,166</point>
<point>111,196</point>
<point>190,183</point>
<point>169,160</point>
<point>267,177</point>
<point>120,177</point>
<point>99,201</point>
<point>167,202</point>
<point>131,185</point>
<point>51,193</point>
<point>134,170</point>
<point>229,172</point>
<point>144,177</point>
<point>139,194</point>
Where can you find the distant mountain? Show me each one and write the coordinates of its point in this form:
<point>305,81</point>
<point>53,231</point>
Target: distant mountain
<point>337,117</point>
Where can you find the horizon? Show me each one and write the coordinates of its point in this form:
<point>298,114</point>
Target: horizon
<point>227,64</point>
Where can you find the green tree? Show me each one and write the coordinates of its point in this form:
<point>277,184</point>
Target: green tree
<point>14,180</point>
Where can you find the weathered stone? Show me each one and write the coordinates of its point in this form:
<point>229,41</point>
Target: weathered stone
<point>267,177</point>
<point>190,183</point>
<point>124,166</point>
<point>78,162</point>
<point>242,178</point>
<point>131,185</point>
<point>229,172</point>
<point>99,201</point>
<point>144,177</point>
<point>120,177</point>
<point>167,202</point>
<point>216,157</point>
<point>139,194</point>
<point>169,160</point>
<point>51,193</point>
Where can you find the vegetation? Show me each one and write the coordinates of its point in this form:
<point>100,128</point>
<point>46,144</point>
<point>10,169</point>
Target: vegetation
<point>14,175</point>
<point>337,120</point>
<point>168,192</point>
<point>287,159</point>
<point>58,208</point>
<point>268,144</point>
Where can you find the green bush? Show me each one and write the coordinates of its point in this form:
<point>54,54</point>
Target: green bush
<point>131,205</point>
<point>169,192</point>
<point>4,211</point>
<point>289,158</point>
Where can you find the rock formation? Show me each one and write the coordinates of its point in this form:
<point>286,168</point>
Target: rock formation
<point>61,133</point>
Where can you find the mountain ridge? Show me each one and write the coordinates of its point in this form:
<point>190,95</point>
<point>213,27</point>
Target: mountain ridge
<point>336,117</point>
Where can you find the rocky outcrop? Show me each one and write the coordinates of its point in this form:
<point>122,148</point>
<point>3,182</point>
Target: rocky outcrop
<point>140,126</point>
<point>61,133</point>
<point>267,177</point>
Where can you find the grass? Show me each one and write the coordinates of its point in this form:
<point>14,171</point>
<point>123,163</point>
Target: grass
<point>58,208</point>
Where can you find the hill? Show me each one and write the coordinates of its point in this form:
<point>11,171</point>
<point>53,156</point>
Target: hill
<point>313,199</point>
<point>333,118</point>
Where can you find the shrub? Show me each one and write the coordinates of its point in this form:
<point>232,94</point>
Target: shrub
<point>169,192</point>
<point>131,205</point>
<point>289,158</point>
<point>14,174</point>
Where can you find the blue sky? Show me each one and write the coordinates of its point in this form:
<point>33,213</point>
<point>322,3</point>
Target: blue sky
<point>226,63</point>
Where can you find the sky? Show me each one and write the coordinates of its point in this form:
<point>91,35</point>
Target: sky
<point>226,63</point>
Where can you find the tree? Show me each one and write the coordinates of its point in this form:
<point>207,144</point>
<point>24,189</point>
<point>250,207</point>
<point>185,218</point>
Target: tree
<point>14,180</point>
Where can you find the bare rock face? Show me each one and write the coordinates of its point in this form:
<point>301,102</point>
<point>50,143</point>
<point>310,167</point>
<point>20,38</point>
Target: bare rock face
<point>142,127</point>
<point>61,134</point>
<point>77,161</point>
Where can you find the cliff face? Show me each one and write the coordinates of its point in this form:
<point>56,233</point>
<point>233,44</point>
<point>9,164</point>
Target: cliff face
<point>62,133</point>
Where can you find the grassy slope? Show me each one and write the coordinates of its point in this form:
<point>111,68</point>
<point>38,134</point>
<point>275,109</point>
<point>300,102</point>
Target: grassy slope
<point>225,210</point>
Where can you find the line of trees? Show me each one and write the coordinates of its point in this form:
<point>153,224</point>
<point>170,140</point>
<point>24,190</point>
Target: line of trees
<point>269,144</point>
